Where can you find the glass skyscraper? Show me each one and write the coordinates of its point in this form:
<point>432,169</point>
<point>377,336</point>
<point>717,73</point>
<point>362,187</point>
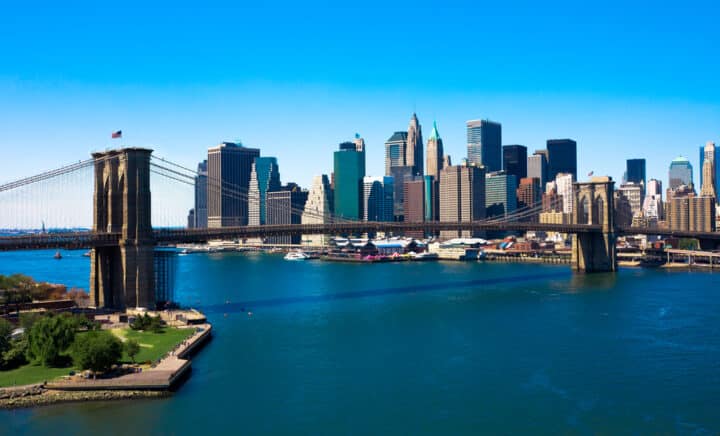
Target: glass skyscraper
<point>680,173</point>
<point>395,151</point>
<point>349,170</point>
<point>636,171</point>
<point>515,160</point>
<point>537,168</point>
<point>265,177</point>
<point>484,139</point>
<point>562,157</point>
<point>500,194</point>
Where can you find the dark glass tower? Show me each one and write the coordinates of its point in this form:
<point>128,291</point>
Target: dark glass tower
<point>636,171</point>
<point>515,160</point>
<point>562,157</point>
<point>484,139</point>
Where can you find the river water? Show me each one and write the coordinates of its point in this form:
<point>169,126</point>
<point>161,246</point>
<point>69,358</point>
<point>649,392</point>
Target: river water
<point>420,348</point>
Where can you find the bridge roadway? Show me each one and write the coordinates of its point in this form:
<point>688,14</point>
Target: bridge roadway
<point>76,240</point>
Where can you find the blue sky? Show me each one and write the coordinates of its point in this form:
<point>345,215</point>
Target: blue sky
<point>625,81</point>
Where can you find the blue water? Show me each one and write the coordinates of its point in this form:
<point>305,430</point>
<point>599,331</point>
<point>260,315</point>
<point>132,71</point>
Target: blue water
<point>421,348</point>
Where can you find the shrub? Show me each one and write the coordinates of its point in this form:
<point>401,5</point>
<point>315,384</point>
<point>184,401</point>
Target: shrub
<point>132,348</point>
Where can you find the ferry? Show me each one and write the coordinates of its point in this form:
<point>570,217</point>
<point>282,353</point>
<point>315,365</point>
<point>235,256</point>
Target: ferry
<point>296,255</point>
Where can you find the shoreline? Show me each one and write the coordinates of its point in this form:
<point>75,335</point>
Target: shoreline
<point>158,382</point>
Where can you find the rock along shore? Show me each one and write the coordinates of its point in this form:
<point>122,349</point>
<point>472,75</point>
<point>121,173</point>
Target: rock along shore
<point>38,396</point>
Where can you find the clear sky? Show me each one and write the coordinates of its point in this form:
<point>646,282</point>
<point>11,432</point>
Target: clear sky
<point>295,79</point>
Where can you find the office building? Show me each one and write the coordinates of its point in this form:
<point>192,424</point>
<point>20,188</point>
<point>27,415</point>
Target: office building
<point>515,160</point>
<point>500,194</point>
<point>564,184</point>
<point>690,213</point>
<point>400,175</point>
<point>462,197</point>
<point>200,216</point>
<point>349,170</point>
<point>264,178</point>
<point>562,157</point>
<point>708,186</point>
<point>551,201</point>
<point>653,202</point>
<point>717,168</point>
<point>285,206</point>
<point>415,204</point>
<point>537,167</point>
<point>635,171</point>
<point>378,194</point>
<point>680,173</point>
<point>191,219</point>
<point>435,154</point>
<point>432,198</point>
<point>528,197</point>
<point>318,209</point>
<point>229,168</point>
<point>484,139</point>
<point>628,203</point>
<point>395,151</point>
<point>414,149</point>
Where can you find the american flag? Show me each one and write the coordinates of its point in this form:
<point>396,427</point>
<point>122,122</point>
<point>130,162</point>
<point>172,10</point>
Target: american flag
<point>590,173</point>
<point>117,134</point>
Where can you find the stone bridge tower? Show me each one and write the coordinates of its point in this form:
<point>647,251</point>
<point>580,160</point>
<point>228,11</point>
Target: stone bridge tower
<point>123,276</point>
<point>594,204</point>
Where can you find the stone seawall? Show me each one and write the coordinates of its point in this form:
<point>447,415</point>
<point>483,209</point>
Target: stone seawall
<point>46,397</point>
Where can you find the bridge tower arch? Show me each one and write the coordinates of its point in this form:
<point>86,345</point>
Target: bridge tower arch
<point>594,251</point>
<point>122,276</point>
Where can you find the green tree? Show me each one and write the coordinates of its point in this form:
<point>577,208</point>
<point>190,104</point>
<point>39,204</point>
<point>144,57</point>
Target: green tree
<point>15,356</point>
<point>5,331</point>
<point>132,348</point>
<point>49,337</point>
<point>96,350</point>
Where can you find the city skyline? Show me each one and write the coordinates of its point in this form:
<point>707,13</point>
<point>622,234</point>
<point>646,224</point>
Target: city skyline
<point>171,96</point>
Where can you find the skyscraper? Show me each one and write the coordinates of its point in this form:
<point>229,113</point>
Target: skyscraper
<point>515,160</point>
<point>562,157</point>
<point>414,149</point>
<point>229,167</point>
<point>680,173</point>
<point>415,204</point>
<point>285,206</point>
<point>537,167</point>
<point>500,194</point>
<point>653,203</point>
<point>264,178</point>
<point>395,151</point>
<point>462,197</point>
<point>378,194</point>
<point>708,171</point>
<point>484,139</point>
<point>635,171</point>
<point>400,175</point>
<point>529,196</point>
<point>349,170</point>
<point>434,153</point>
<point>318,209</point>
<point>564,183</point>
<point>717,168</point>
<point>200,217</point>
<point>432,198</point>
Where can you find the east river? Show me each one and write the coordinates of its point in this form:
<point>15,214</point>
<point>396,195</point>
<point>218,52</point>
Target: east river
<point>420,348</point>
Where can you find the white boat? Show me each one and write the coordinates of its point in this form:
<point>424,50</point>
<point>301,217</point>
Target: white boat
<point>296,255</point>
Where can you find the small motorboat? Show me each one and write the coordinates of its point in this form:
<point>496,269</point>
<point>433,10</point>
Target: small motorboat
<point>57,255</point>
<point>86,254</point>
<point>296,255</point>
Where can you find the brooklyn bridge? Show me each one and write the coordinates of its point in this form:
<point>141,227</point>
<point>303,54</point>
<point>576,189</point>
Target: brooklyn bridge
<point>123,240</point>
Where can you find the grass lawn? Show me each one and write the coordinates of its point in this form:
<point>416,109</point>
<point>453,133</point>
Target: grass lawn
<point>153,345</point>
<point>29,374</point>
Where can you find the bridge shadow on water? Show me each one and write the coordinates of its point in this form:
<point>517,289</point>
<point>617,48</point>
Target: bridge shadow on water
<point>243,306</point>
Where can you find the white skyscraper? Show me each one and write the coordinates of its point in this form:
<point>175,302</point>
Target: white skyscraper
<point>318,209</point>
<point>564,183</point>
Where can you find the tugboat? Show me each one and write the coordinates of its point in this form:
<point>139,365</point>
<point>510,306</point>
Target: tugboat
<point>57,256</point>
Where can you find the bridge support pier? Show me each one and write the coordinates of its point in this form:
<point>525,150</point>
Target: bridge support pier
<point>123,276</point>
<point>594,204</point>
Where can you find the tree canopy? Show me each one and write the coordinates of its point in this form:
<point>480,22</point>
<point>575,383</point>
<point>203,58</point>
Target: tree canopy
<point>96,350</point>
<point>50,336</point>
